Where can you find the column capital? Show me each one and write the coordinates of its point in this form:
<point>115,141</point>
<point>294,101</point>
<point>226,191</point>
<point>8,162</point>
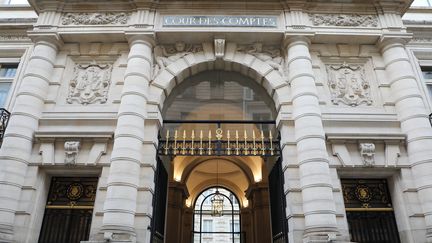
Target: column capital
<point>291,38</point>
<point>147,38</point>
<point>388,40</point>
<point>49,38</point>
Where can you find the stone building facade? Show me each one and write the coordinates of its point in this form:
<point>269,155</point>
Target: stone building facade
<point>94,87</point>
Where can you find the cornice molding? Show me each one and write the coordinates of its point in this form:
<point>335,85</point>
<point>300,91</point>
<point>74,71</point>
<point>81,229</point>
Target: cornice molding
<point>366,6</point>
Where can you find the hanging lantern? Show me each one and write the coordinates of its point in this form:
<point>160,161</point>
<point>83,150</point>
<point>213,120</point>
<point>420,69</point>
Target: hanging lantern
<point>217,204</point>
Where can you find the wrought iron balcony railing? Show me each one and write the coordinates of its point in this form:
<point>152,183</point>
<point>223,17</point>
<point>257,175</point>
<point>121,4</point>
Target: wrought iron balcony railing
<point>219,138</point>
<point>4,119</point>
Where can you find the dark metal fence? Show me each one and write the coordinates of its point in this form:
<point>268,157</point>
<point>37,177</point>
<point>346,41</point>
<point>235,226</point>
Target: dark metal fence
<point>377,227</point>
<point>219,138</point>
<point>4,120</point>
<point>65,225</point>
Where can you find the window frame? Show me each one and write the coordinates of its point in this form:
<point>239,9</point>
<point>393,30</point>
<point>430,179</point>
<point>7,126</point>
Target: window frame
<point>11,80</point>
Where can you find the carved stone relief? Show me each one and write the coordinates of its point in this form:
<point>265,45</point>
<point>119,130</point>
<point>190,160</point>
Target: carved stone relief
<point>14,37</point>
<point>90,83</point>
<point>71,152</point>
<point>271,55</point>
<point>219,47</point>
<point>166,54</point>
<point>348,85</point>
<point>367,152</point>
<point>351,20</point>
<point>421,40</point>
<point>94,18</point>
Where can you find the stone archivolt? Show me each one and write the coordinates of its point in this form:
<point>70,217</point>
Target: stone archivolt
<point>90,83</point>
<point>166,54</point>
<point>271,55</point>
<point>94,18</point>
<point>352,20</point>
<point>348,85</point>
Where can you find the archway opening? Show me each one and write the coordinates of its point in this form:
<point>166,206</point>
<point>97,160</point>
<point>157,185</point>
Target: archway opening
<point>225,118</point>
<point>213,226</point>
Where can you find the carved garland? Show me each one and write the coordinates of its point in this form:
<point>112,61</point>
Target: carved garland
<point>95,18</point>
<point>351,20</point>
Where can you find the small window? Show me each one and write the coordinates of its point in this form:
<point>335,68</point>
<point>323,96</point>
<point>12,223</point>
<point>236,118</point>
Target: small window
<point>8,70</point>
<point>7,74</point>
<point>427,72</point>
<point>427,77</point>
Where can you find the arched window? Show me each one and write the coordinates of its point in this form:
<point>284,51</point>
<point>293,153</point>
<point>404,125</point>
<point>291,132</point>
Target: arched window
<point>219,95</point>
<point>231,100</point>
<point>214,227</point>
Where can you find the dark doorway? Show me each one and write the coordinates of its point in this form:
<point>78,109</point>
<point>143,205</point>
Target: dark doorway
<point>278,204</point>
<point>159,204</point>
<point>369,211</point>
<point>69,210</point>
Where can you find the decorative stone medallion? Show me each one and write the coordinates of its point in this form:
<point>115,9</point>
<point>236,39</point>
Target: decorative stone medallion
<point>90,84</point>
<point>348,85</point>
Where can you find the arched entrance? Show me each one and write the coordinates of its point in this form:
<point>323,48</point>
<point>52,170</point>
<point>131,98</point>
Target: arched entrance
<point>224,118</point>
<point>217,217</point>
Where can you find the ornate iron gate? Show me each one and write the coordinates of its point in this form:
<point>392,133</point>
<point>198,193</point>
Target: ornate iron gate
<point>69,210</point>
<point>278,204</point>
<point>159,204</point>
<point>369,211</point>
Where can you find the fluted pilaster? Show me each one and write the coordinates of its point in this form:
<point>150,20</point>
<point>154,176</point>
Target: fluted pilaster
<point>18,140</point>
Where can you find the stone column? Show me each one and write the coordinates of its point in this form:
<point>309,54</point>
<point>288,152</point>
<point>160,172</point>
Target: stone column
<point>18,140</point>
<point>177,194</point>
<point>259,202</point>
<point>414,121</point>
<point>246,225</point>
<point>315,181</point>
<point>123,180</point>
<point>187,224</point>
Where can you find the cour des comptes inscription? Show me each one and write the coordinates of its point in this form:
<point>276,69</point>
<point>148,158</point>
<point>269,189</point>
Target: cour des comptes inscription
<point>219,21</point>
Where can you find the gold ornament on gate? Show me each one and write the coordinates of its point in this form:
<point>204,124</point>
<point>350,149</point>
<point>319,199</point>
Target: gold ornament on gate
<point>75,191</point>
<point>219,133</point>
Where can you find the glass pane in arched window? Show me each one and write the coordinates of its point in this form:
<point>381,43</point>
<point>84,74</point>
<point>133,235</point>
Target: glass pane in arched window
<point>223,228</point>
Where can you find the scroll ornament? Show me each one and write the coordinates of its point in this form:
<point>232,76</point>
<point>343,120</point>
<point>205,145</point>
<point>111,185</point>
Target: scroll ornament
<point>71,152</point>
<point>367,152</point>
